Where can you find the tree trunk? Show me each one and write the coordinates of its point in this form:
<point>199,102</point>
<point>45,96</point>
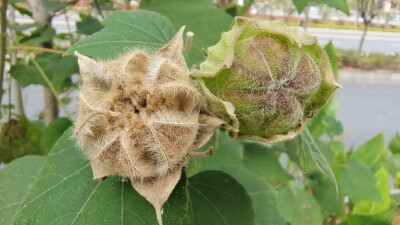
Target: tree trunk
<point>3,49</point>
<point>41,14</point>
<point>363,37</point>
<point>16,87</point>
<point>306,16</point>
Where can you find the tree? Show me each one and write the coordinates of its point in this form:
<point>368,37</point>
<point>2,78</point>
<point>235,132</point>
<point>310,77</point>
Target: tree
<point>367,9</point>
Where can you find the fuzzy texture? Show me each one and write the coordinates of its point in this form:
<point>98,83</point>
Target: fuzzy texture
<point>275,78</point>
<point>140,117</point>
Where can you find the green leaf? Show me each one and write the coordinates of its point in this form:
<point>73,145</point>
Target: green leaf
<point>298,207</point>
<point>202,17</point>
<point>300,5</point>
<point>373,207</point>
<point>88,25</point>
<point>393,165</point>
<point>53,131</point>
<point>226,152</point>
<point>126,30</point>
<point>65,193</point>
<point>255,157</point>
<point>15,181</point>
<point>216,199</point>
<point>336,4</point>
<point>394,144</point>
<point>57,5</point>
<point>43,33</point>
<point>372,152</point>
<point>264,161</point>
<point>311,150</point>
<point>326,196</point>
<point>358,182</point>
<point>262,194</point>
<point>51,64</point>
<point>330,51</point>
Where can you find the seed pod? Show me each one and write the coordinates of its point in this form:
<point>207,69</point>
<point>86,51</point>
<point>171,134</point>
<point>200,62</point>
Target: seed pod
<point>140,116</point>
<point>274,76</point>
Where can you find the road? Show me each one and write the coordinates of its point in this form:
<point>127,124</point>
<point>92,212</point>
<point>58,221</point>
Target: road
<point>368,106</point>
<point>385,42</point>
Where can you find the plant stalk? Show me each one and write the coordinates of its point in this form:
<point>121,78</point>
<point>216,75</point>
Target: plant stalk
<point>50,84</point>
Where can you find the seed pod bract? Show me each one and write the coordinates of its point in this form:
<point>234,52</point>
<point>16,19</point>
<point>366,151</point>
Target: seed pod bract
<point>274,76</point>
<point>140,116</point>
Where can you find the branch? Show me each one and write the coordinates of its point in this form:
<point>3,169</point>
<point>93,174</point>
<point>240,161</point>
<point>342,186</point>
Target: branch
<point>33,48</point>
<point>48,82</point>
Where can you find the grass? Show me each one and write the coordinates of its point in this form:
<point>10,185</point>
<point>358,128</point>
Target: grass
<point>372,61</point>
<point>332,24</point>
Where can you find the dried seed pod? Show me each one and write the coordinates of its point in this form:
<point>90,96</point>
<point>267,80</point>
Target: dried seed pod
<point>140,116</point>
<point>274,76</point>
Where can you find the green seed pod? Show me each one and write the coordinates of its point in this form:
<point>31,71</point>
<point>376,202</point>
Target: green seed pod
<point>274,76</point>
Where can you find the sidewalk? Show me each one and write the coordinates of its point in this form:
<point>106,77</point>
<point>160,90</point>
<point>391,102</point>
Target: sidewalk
<point>368,76</point>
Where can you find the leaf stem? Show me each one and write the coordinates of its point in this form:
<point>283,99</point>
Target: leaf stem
<point>50,84</point>
<point>34,48</point>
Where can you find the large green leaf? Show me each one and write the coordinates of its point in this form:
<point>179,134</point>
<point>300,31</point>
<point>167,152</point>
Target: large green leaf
<point>226,152</point>
<point>256,157</point>
<point>126,30</point>
<point>230,157</point>
<point>262,194</point>
<point>65,193</point>
<point>202,17</point>
<point>218,199</point>
<point>394,144</point>
<point>51,64</point>
<point>298,207</point>
<point>53,131</point>
<point>311,150</point>
<point>358,182</point>
<point>372,152</point>
<point>264,161</point>
<point>15,181</point>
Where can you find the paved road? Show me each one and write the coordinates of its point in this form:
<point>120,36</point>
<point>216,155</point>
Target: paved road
<point>387,42</point>
<point>368,106</point>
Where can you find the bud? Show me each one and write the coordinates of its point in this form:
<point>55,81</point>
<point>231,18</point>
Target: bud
<point>275,77</point>
<point>140,117</point>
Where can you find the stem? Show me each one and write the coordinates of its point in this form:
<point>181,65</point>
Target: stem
<point>33,48</point>
<point>48,82</point>
<point>3,45</point>
<point>97,6</point>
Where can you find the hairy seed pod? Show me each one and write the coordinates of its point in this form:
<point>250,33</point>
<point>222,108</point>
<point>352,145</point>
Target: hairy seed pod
<point>140,116</point>
<point>274,76</point>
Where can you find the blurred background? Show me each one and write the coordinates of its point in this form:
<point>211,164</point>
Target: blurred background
<point>364,33</point>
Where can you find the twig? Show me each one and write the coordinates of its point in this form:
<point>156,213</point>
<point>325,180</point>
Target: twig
<point>50,84</point>
<point>96,4</point>
<point>3,45</point>
<point>33,48</point>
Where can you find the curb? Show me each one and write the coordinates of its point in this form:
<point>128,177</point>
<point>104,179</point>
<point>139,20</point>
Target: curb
<point>369,77</point>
